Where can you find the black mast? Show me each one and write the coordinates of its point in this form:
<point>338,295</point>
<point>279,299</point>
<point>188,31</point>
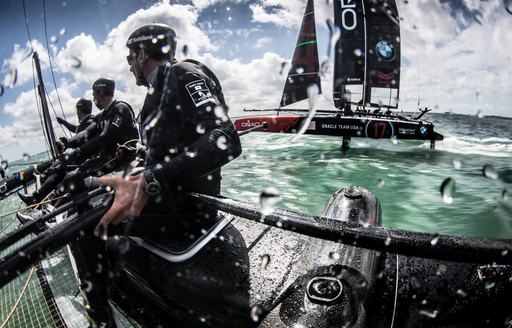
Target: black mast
<point>47,122</point>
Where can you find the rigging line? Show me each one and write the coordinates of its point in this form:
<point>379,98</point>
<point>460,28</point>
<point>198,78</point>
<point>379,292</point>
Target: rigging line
<point>22,293</point>
<point>26,25</point>
<point>53,110</point>
<point>39,110</point>
<point>50,60</point>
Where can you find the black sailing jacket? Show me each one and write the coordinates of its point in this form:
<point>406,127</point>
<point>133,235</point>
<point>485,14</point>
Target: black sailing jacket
<point>185,126</point>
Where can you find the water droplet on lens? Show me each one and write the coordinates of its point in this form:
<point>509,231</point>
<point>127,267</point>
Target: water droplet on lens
<point>5,164</point>
<point>490,284</point>
<point>75,62</point>
<point>457,164</point>
<point>508,6</point>
<point>222,143</point>
<point>358,52</point>
<point>54,39</point>
<point>62,31</point>
<point>490,172</point>
<point>269,198</point>
<point>394,140</point>
<point>434,241</point>
<point>220,112</point>
<point>26,157</point>
<point>151,90</point>
<point>283,64</point>
<point>265,260</point>
<point>387,242</point>
<point>154,40</point>
<point>12,77</point>
<point>166,49</point>
<point>200,129</point>
<point>256,312</point>
<point>184,50</point>
<point>1,89</point>
<point>299,70</point>
<point>461,293</point>
<point>447,190</point>
<point>430,314</point>
<point>87,286</point>
<point>380,183</point>
<point>505,195</point>
<point>334,256</point>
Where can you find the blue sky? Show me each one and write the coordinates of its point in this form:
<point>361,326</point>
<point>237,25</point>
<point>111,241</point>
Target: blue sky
<point>455,54</point>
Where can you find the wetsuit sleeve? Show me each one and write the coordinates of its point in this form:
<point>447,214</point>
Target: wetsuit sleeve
<point>83,136</point>
<point>218,145</point>
<point>69,126</point>
<point>112,132</point>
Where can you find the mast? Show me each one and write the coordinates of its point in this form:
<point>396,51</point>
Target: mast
<point>305,66</point>
<point>47,122</point>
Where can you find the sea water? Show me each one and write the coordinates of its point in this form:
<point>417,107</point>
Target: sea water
<point>407,177</point>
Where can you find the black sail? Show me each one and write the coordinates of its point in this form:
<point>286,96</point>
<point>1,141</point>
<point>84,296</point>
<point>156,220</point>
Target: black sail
<point>305,68</point>
<point>349,53</point>
<point>383,56</point>
<point>367,54</point>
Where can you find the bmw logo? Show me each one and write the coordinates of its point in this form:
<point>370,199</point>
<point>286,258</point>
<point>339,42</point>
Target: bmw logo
<point>423,130</point>
<point>385,50</point>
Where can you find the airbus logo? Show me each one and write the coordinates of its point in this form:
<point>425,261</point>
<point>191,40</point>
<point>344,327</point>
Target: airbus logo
<point>385,50</point>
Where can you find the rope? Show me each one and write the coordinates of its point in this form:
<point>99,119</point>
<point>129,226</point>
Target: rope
<point>44,201</point>
<point>19,299</point>
<point>50,60</point>
<point>26,25</point>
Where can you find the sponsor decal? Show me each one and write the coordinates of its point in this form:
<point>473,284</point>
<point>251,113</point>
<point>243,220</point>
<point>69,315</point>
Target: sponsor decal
<point>423,130</point>
<point>117,120</point>
<point>406,131</point>
<point>348,14</point>
<point>353,79</point>
<point>379,129</point>
<point>199,92</point>
<point>341,126</point>
<point>385,50</point>
<point>249,124</point>
<point>386,76</point>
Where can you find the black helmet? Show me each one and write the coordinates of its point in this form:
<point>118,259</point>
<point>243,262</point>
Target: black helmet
<point>104,86</point>
<point>157,40</point>
<point>84,106</point>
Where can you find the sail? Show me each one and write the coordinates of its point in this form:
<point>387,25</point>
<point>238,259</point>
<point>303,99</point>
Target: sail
<point>305,68</point>
<point>349,53</point>
<point>367,54</point>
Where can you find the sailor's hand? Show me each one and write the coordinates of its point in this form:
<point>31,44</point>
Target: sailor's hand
<point>60,120</point>
<point>130,198</point>
<point>61,146</point>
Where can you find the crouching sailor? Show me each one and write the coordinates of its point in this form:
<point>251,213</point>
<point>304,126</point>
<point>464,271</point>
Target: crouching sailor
<point>95,147</point>
<point>189,137</point>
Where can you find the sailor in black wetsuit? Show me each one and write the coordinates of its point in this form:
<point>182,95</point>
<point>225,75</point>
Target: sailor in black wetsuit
<point>83,112</point>
<point>189,137</point>
<point>95,147</point>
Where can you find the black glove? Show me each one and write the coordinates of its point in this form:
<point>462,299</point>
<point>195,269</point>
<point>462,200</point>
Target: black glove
<point>60,120</point>
<point>62,144</point>
<point>70,158</point>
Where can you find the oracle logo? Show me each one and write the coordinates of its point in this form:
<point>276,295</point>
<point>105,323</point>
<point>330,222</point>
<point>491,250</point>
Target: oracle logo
<point>348,15</point>
<point>249,124</point>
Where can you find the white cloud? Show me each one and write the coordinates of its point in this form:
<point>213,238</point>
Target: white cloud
<point>285,13</point>
<point>262,42</point>
<point>21,63</point>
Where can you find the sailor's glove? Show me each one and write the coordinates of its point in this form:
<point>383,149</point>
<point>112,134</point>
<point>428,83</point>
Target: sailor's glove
<point>71,157</point>
<point>60,120</point>
<point>62,144</point>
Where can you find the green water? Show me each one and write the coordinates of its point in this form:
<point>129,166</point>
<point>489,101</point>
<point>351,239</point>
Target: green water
<point>406,177</point>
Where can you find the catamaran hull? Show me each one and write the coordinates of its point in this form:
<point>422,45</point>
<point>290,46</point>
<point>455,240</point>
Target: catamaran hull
<point>344,126</point>
<point>253,275</point>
